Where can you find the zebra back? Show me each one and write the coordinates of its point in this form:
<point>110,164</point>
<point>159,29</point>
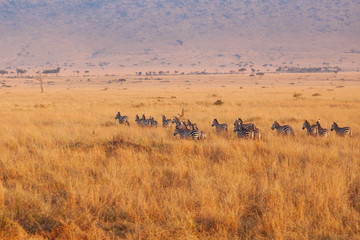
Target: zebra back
<point>284,130</point>
<point>322,132</point>
<point>243,132</point>
<point>122,119</point>
<point>219,127</point>
<point>344,131</point>
<point>310,129</point>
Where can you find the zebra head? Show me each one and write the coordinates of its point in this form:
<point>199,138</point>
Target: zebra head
<point>237,128</point>
<point>137,118</point>
<point>334,126</point>
<point>117,115</point>
<point>143,117</point>
<point>163,118</point>
<point>275,125</point>
<point>215,122</point>
<point>306,124</point>
<point>238,121</point>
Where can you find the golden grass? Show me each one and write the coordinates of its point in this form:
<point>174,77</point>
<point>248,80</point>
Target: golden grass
<point>69,171</point>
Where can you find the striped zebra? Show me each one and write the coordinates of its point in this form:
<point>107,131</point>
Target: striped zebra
<point>257,132</point>
<point>167,123</point>
<point>251,126</point>
<point>202,135</point>
<point>219,127</point>
<point>284,130</point>
<point>323,132</point>
<point>122,119</point>
<point>243,132</point>
<point>187,134</point>
<point>153,122</point>
<point>310,129</point>
<point>344,131</point>
<point>179,124</point>
<point>239,120</point>
<point>191,125</point>
<point>140,121</point>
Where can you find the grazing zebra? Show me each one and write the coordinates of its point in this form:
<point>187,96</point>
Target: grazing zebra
<point>179,124</point>
<point>167,123</point>
<point>344,131</point>
<point>311,129</point>
<point>323,132</point>
<point>191,125</point>
<point>139,121</point>
<point>284,130</point>
<point>186,133</point>
<point>239,120</point>
<point>257,132</point>
<point>219,127</point>
<point>243,132</point>
<point>122,119</point>
<point>153,123</point>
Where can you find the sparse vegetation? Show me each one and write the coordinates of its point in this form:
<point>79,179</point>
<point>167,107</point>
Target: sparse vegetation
<point>70,171</point>
<point>218,102</point>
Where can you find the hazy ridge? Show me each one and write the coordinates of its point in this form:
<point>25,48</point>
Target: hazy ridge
<point>145,35</point>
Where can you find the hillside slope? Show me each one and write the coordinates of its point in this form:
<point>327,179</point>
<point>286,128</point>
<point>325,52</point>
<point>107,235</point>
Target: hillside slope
<point>173,35</point>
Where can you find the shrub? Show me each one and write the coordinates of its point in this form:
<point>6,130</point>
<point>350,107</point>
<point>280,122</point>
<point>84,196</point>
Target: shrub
<point>218,102</point>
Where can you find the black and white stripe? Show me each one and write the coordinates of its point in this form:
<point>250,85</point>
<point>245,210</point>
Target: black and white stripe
<point>284,130</point>
<point>243,132</point>
<point>191,125</point>
<point>322,132</point>
<point>140,121</point>
<point>239,120</point>
<point>122,119</point>
<point>344,131</point>
<point>310,129</point>
<point>190,134</point>
<point>167,123</point>
<point>220,127</point>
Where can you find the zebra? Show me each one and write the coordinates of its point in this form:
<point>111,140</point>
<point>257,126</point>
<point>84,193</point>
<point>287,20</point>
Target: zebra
<point>139,121</point>
<point>179,124</point>
<point>219,127</point>
<point>239,120</point>
<point>311,129</point>
<point>167,123</point>
<point>122,119</point>
<point>251,126</point>
<point>202,135</point>
<point>187,133</point>
<point>323,132</point>
<point>257,132</point>
<point>284,130</point>
<point>243,132</point>
<point>191,125</point>
<point>344,131</point>
<point>153,122</point>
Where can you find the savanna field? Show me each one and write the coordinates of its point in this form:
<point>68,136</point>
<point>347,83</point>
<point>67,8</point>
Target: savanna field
<point>68,170</point>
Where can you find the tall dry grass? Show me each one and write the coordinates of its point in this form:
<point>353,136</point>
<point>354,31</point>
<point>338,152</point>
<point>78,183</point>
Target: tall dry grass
<point>69,171</point>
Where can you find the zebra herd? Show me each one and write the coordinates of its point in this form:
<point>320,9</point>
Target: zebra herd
<point>190,130</point>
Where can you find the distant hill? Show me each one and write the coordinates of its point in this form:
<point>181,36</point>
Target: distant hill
<point>139,35</point>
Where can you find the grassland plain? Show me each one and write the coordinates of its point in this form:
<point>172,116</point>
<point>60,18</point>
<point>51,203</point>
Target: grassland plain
<point>69,171</point>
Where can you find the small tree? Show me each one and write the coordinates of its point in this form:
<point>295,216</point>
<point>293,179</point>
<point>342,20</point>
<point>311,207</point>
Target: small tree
<point>2,72</point>
<point>39,76</point>
<point>20,72</point>
<point>121,80</point>
<point>260,74</point>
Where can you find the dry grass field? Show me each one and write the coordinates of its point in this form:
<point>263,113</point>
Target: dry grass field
<point>68,170</point>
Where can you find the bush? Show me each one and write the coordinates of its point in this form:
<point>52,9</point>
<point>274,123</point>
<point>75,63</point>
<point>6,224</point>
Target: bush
<point>218,102</point>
